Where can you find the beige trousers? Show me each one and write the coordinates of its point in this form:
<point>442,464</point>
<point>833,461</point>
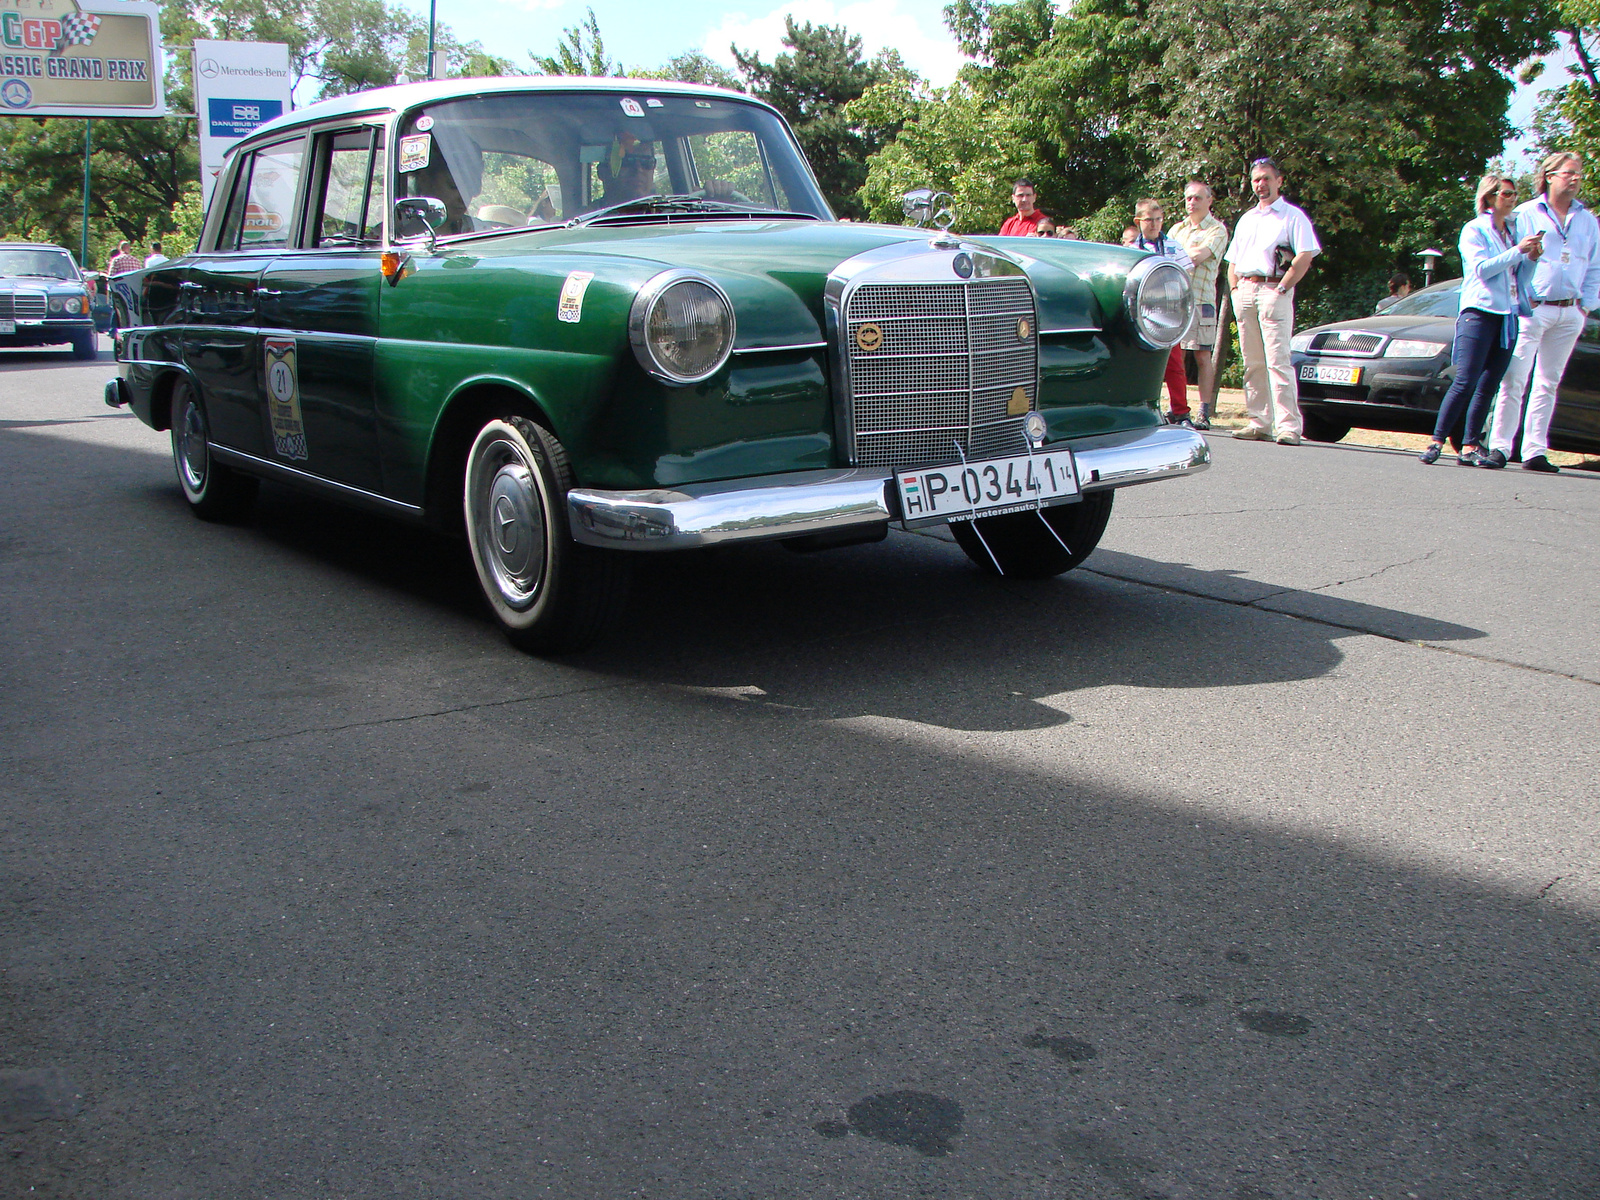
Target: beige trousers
<point>1266,323</point>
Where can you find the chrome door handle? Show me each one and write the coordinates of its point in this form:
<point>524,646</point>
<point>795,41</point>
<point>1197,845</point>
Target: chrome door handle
<point>185,285</point>
<point>269,292</point>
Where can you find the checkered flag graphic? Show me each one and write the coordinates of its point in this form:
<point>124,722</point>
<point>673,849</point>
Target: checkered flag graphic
<point>79,28</point>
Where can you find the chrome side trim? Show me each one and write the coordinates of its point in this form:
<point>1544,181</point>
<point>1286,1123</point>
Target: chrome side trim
<point>780,349</point>
<point>1116,460</point>
<point>706,514</point>
<point>1075,329</point>
<point>165,363</point>
<point>780,506</point>
<point>343,491</point>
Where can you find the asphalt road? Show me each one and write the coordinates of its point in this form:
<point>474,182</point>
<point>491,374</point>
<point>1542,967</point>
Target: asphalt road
<point>1256,859</point>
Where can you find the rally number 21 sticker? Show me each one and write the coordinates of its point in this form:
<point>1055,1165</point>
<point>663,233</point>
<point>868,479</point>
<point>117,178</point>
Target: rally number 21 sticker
<point>283,399</point>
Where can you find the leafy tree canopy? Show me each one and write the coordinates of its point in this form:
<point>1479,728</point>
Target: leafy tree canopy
<point>811,84</point>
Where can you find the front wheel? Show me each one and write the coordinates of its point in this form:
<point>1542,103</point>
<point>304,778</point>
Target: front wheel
<point>1036,545</point>
<point>84,346</point>
<point>214,492</point>
<point>549,594</point>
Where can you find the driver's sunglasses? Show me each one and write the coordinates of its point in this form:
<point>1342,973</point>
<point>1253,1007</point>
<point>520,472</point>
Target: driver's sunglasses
<point>638,162</point>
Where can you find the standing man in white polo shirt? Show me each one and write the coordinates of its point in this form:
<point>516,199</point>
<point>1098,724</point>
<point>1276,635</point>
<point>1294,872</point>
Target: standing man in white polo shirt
<point>1271,251</point>
<point>1565,287</point>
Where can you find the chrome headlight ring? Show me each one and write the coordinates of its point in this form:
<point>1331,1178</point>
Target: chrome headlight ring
<point>659,342</point>
<point>1150,302</point>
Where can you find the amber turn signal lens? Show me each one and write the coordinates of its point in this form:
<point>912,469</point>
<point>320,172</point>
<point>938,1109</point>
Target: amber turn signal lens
<point>391,265</point>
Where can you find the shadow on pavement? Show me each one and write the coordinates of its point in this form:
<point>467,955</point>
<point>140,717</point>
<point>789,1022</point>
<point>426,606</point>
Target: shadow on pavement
<point>619,944</point>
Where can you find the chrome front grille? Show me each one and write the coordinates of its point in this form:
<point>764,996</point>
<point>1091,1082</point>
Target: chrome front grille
<point>21,306</point>
<point>1349,341</point>
<point>951,371</point>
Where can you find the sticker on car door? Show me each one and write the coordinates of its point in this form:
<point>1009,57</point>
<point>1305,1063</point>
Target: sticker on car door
<point>283,399</point>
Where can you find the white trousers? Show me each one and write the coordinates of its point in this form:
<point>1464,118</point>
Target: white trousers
<point>1544,343</point>
<point>1266,324</point>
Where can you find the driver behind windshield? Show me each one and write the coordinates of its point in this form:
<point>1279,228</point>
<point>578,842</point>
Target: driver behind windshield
<point>630,172</point>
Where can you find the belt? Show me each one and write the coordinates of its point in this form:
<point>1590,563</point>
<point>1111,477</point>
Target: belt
<point>1261,278</point>
<point>1556,303</point>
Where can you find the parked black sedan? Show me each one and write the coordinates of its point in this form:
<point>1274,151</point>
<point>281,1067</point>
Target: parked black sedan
<point>1391,372</point>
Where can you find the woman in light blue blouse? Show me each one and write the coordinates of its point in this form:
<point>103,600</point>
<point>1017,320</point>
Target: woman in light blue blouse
<point>1496,268</point>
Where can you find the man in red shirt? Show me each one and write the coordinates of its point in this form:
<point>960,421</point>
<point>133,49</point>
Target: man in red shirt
<point>1026,222</point>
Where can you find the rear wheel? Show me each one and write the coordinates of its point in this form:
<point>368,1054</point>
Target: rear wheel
<point>214,492</point>
<point>549,594</point>
<point>1320,428</point>
<point>1036,545</point>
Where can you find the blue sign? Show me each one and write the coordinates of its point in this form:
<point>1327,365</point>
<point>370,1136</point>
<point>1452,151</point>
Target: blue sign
<point>235,118</point>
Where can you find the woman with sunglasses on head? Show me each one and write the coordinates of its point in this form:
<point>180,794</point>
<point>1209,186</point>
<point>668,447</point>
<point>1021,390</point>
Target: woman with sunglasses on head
<point>1496,267</point>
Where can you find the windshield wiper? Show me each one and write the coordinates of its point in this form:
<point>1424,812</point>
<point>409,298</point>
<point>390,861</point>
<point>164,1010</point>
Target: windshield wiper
<point>682,203</point>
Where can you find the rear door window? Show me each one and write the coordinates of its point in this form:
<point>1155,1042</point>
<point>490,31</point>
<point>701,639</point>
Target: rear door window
<point>269,201</point>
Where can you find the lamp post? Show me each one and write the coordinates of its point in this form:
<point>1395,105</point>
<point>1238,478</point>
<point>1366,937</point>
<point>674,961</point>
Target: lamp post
<point>433,20</point>
<point>1430,263</point>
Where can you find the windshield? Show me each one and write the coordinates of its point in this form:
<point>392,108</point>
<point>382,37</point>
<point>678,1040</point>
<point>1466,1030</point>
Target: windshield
<point>51,264</point>
<point>539,158</point>
<point>1440,300</point>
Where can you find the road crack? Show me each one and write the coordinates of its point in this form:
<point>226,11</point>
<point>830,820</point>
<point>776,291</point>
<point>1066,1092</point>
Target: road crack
<point>287,735</point>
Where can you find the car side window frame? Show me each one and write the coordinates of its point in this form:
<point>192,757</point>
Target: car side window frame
<point>315,195</point>
<point>297,205</point>
<point>236,186</point>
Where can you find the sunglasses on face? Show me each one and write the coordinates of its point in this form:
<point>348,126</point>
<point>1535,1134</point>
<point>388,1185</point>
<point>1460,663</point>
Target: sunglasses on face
<point>638,162</point>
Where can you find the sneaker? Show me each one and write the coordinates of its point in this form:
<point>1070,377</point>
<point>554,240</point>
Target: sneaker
<point>1492,459</point>
<point>1203,421</point>
<point>1431,455</point>
<point>1471,457</point>
<point>1541,464</point>
<point>1181,421</point>
<point>1252,434</point>
<point>1288,439</point>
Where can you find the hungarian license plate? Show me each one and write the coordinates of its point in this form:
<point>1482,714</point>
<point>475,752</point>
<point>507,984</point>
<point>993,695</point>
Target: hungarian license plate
<point>8,326</point>
<point>1317,373</point>
<point>988,488</point>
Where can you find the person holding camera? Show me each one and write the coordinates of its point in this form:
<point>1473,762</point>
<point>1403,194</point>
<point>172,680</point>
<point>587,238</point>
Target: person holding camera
<point>1496,267</point>
<point>1272,248</point>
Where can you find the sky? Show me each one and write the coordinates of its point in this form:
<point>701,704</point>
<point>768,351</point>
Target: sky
<point>647,34</point>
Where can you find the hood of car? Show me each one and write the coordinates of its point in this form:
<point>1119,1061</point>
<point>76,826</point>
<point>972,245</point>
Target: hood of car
<point>1423,327</point>
<point>753,259</point>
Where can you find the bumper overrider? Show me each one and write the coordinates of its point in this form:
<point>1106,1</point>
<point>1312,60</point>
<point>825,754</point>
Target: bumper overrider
<point>837,501</point>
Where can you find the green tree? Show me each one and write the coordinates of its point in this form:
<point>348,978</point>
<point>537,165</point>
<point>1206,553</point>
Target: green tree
<point>811,84</point>
<point>582,51</point>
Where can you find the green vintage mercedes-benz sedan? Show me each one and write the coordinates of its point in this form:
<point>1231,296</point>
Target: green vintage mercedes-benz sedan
<point>577,319</point>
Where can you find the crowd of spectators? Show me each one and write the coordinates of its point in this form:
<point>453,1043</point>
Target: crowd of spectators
<point>1531,276</point>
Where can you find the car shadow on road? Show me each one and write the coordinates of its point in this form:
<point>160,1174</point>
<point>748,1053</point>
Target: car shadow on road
<point>906,628</point>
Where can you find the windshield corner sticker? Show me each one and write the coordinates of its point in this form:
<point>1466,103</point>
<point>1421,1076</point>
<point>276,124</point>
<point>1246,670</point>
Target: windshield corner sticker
<point>415,151</point>
<point>424,123</point>
<point>632,107</point>
<point>571,307</point>
<point>283,392</point>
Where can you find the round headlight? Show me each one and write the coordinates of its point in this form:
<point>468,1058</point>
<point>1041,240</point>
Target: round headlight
<point>55,303</point>
<point>681,327</point>
<point>1159,301</point>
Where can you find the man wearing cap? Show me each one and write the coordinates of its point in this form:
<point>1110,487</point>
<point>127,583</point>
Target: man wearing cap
<point>1271,251</point>
<point>1565,287</point>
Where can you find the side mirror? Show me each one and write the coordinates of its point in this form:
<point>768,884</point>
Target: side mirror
<point>924,206</point>
<point>419,216</point>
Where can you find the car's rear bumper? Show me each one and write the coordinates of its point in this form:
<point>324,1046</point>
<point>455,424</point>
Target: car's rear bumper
<point>832,501</point>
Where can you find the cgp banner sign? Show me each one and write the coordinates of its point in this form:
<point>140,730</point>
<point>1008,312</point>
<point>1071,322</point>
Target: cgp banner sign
<point>237,86</point>
<point>80,58</point>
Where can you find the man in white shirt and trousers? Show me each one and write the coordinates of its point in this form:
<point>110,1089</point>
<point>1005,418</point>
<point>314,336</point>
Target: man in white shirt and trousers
<point>1271,251</point>
<point>1565,288</point>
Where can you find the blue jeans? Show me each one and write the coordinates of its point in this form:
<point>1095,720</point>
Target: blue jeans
<point>1480,361</point>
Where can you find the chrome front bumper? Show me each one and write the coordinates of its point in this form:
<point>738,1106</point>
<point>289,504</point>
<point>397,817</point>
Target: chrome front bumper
<point>810,502</point>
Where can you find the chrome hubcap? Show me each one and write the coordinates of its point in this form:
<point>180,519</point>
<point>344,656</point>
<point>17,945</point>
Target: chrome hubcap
<point>193,457</point>
<point>508,524</point>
